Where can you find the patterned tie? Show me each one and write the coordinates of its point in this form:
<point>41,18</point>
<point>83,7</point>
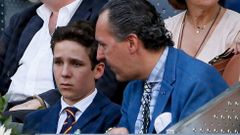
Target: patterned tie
<point>70,120</point>
<point>146,98</point>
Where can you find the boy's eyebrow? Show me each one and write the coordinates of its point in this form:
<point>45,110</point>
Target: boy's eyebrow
<point>76,60</point>
<point>70,59</point>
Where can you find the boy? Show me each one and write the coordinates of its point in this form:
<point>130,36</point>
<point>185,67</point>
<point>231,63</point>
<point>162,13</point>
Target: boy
<point>82,108</point>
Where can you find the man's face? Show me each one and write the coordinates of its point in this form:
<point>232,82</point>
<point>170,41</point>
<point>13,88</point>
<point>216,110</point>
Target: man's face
<point>72,71</point>
<point>114,52</point>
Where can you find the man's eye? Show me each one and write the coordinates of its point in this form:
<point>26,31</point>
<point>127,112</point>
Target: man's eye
<point>101,44</point>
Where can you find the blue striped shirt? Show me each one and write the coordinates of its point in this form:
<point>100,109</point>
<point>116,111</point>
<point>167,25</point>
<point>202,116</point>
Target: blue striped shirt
<point>154,80</point>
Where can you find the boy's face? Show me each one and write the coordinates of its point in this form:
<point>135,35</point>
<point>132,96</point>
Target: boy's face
<point>72,71</point>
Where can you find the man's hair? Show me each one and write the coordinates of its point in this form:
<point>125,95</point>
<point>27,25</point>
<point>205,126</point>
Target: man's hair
<point>81,32</point>
<point>139,17</point>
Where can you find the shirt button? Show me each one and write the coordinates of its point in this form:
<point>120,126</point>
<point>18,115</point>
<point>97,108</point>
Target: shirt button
<point>163,93</point>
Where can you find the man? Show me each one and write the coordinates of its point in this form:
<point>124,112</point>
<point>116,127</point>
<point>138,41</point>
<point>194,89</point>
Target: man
<point>170,84</point>
<point>25,56</point>
<point>75,70</point>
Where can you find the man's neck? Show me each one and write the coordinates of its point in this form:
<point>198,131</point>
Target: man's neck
<point>55,6</point>
<point>150,60</point>
<point>52,22</point>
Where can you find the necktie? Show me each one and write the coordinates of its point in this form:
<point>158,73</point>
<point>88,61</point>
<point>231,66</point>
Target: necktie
<point>146,98</point>
<point>70,120</point>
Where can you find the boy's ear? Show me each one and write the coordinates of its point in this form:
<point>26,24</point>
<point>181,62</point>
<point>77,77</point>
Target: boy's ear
<point>99,70</point>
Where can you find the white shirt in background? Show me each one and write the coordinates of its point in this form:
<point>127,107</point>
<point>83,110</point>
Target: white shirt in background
<point>35,75</point>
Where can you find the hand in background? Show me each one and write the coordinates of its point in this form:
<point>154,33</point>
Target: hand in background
<point>236,47</point>
<point>236,44</point>
<point>33,104</point>
<point>119,131</point>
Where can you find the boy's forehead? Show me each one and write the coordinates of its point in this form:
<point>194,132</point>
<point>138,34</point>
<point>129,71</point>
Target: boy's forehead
<point>67,45</point>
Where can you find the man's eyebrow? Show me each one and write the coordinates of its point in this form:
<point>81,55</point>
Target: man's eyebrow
<point>101,42</point>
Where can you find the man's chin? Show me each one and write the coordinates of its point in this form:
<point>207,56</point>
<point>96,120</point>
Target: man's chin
<point>121,78</point>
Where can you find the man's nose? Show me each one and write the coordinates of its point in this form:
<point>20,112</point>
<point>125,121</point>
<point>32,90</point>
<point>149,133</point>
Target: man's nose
<point>100,54</point>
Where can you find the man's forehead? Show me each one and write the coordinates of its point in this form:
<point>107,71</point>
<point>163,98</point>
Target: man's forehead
<point>102,22</point>
<point>103,17</point>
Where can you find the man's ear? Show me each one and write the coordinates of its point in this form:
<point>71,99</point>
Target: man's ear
<point>99,70</point>
<point>133,41</point>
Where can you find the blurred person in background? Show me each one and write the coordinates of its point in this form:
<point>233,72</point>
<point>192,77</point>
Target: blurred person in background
<point>205,29</point>
<point>26,57</point>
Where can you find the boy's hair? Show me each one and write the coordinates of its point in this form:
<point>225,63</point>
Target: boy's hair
<point>81,32</point>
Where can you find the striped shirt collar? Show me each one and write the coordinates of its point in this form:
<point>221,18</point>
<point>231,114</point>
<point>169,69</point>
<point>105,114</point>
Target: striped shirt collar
<point>156,75</point>
<point>80,105</point>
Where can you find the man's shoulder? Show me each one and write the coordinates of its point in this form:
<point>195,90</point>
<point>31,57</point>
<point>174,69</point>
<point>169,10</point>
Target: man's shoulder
<point>191,65</point>
<point>95,4</point>
<point>99,2</point>
<point>23,17</point>
<point>29,11</point>
<point>194,71</point>
<point>191,70</point>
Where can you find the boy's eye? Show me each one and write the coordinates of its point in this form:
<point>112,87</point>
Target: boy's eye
<point>57,62</point>
<point>76,64</point>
